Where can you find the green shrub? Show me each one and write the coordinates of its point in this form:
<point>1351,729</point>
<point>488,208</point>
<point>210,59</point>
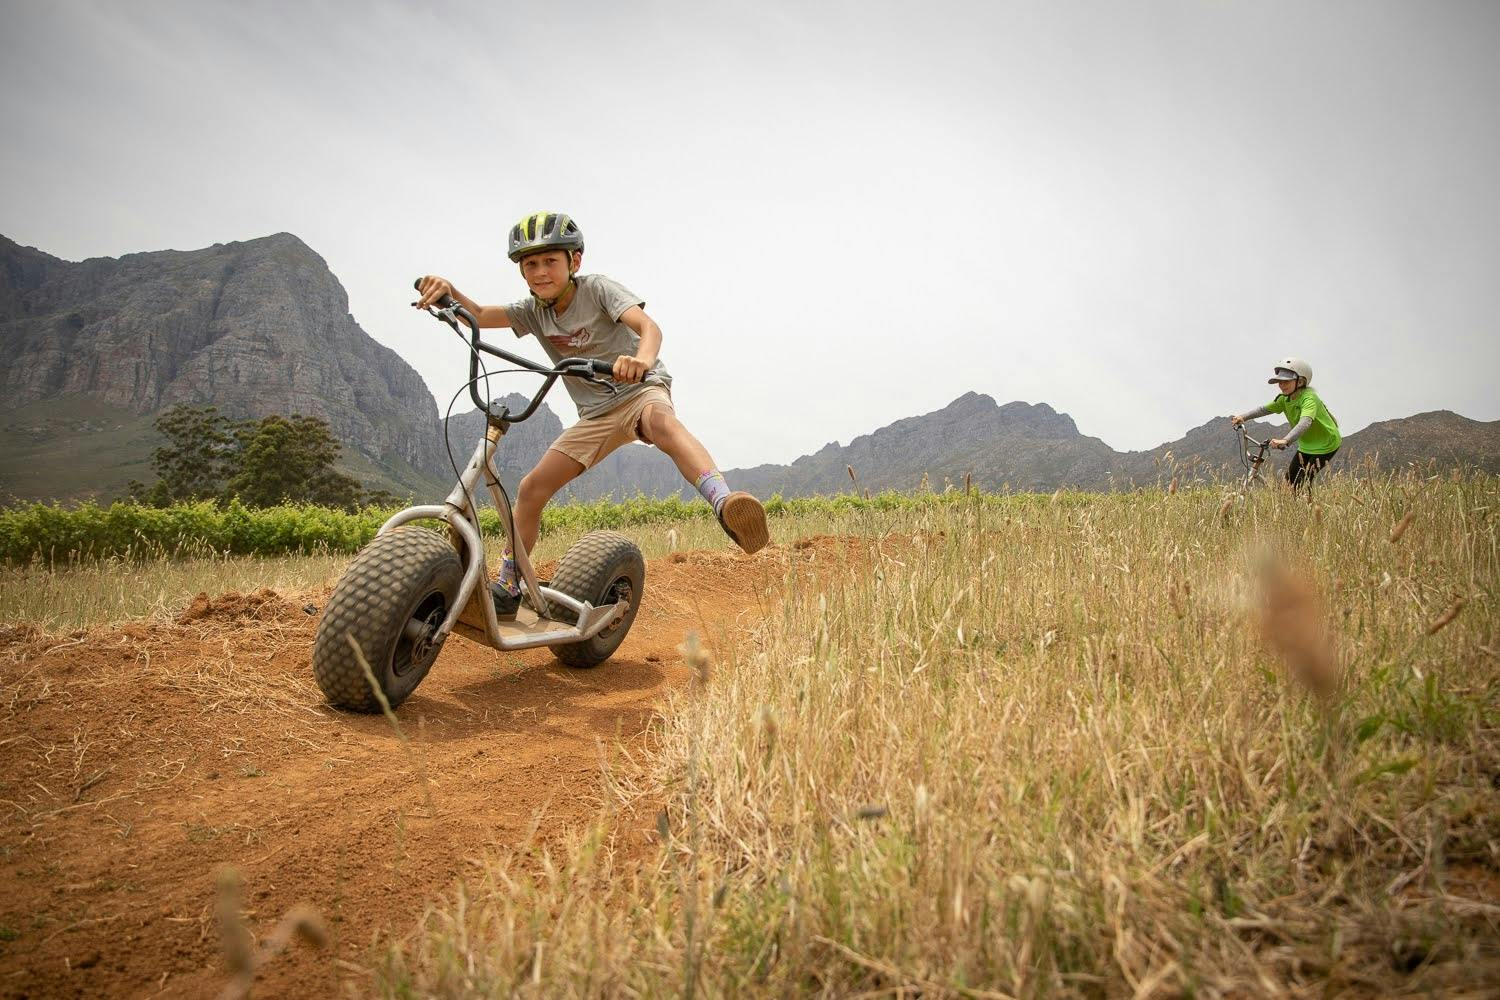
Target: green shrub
<point>125,529</point>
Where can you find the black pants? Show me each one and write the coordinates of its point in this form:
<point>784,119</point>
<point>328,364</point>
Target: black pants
<point>1304,467</point>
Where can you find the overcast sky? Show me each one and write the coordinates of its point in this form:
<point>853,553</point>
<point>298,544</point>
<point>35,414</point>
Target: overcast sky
<point>841,214</point>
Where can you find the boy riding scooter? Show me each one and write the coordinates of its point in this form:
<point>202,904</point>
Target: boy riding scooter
<point>593,317</point>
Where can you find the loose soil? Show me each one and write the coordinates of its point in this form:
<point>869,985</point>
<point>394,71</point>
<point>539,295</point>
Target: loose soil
<point>138,761</point>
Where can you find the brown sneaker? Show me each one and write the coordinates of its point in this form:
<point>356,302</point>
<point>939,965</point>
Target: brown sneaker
<point>744,520</point>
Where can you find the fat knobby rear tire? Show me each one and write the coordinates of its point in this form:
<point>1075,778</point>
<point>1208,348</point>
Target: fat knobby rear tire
<point>602,568</point>
<point>405,574</point>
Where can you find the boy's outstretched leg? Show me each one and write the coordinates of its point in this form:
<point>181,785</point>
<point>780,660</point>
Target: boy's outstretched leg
<point>740,514</point>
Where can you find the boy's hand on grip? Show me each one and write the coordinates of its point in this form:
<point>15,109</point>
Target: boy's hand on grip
<point>1236,420</point>
<point>629,369</point>
<point>433,290</point>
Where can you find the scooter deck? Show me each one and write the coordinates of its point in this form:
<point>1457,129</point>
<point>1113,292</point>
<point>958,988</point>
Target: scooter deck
<point>529,623</point>
<point>523,630</point>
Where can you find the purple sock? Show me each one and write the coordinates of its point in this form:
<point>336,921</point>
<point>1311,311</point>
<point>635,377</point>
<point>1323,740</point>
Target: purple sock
<point>508,572</point>
<point>713,488</point>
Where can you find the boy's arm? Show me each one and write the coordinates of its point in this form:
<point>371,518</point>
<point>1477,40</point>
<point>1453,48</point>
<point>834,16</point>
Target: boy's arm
<point>633,369</point>
<point>1299,430</point>
<point>1240,418</point>
<point>434,288</point>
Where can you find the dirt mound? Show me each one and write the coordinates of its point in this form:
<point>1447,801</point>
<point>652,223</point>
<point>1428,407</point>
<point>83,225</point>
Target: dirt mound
<point>19,635</point>
<point>262,605</point>
<point>139,760</point>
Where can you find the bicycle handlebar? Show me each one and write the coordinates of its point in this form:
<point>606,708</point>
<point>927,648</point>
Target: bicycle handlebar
<point>449,310</point>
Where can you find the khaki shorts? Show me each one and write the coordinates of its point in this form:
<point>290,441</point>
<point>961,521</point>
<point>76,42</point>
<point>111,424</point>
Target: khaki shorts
<point>589,441</point>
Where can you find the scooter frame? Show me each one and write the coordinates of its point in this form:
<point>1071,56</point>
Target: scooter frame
<point>531,627</point>
<point>460,511</point>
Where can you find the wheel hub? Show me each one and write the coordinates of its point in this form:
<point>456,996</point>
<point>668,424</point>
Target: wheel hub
<point>419,633</point>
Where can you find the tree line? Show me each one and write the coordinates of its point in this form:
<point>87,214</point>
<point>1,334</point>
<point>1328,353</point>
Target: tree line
<point>265,462</point>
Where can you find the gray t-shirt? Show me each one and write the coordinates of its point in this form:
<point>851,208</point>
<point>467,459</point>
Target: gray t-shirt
<point>590,328</point>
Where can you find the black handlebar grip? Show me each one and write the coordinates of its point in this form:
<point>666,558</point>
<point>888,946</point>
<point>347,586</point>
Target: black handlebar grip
<point>446,302</point>
<point>602,367</point>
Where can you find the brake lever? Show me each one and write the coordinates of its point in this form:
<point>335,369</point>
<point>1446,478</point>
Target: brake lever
<point>589,375</point>
<point>447,315</point>
<point>586,372</point>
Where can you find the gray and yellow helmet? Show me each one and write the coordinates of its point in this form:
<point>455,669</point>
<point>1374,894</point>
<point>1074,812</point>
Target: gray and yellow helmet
<point>543,231</point>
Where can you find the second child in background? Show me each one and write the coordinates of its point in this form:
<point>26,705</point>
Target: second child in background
<point>1314,430</point>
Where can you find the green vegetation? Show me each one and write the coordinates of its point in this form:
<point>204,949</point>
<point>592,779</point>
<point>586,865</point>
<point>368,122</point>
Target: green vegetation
<point>262,462</point>
<point>196,459</point>
<point>1094,749</point>
<point>53,533</point>
<point>154,581</point>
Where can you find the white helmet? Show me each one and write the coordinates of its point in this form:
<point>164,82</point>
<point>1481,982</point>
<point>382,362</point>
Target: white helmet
<point>1291,368</point>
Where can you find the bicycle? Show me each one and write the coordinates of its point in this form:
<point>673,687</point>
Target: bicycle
<point>1251,462</point>
<point>410,588</point>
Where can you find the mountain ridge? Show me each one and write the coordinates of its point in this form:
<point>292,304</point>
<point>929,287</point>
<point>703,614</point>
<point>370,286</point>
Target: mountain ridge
<point>97,348</point>
<point>1204,453</point>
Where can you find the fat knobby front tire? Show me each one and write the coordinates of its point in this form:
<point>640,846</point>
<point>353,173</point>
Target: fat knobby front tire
<point>391,599</point>
<point>602,568</point>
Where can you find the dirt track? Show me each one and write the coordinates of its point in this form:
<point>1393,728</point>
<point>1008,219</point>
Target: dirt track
<point>136,761</point>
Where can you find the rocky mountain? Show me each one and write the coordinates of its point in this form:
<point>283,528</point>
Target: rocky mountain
<point>1028,446</point>
<point>1440,436</point>
<point>255,328</point>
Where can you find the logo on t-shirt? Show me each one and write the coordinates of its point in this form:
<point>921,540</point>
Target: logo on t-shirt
<point>579,338</point>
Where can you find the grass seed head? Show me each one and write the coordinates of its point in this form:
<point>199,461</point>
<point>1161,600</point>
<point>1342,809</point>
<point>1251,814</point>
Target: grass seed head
<point>238,945</point>
<point>697,659</point>
<point>1401,526</point>
<point>1292,621</point>
<point>1443,620</point>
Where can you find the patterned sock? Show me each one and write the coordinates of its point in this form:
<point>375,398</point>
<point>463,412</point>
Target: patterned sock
<point>713,488</point>
<point>508,572</point>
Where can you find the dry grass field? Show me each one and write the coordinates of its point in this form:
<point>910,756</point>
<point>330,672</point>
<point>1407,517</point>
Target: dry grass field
<point>1141,745</point>
<point>1148,744</point>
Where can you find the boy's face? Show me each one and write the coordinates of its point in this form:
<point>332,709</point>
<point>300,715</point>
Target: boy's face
<point>1287,386</point>
<point>546,273</point>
